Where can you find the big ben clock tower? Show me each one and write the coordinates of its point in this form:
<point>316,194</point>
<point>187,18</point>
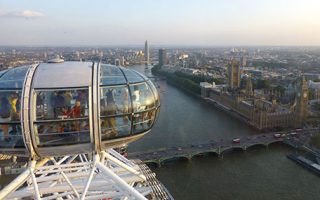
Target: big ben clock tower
<point>301,110</point>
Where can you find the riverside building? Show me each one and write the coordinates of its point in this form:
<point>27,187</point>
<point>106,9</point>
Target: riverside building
<point>253,109</point>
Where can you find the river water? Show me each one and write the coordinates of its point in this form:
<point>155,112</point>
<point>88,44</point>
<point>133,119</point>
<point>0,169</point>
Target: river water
<point>257,173</point>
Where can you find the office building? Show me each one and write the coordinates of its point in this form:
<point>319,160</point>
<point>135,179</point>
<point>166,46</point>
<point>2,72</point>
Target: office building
<point>163,60</point>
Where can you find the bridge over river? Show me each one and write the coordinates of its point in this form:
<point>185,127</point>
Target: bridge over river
<point>160,156</point>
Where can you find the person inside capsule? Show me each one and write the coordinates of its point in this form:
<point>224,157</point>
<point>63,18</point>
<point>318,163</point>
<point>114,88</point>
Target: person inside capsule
<point>5,116</point>
<point>9,118</point>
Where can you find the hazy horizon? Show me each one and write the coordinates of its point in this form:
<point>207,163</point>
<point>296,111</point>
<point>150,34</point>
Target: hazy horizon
<point>141,45</point>
<point>204,23</point>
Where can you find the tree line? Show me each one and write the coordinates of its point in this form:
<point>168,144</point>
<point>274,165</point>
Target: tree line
<point>179,79</point>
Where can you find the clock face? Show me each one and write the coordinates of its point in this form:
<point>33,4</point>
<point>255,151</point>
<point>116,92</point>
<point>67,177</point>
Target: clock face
<point>305,95</point>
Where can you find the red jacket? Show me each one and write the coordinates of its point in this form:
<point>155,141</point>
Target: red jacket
<point>75,112</point>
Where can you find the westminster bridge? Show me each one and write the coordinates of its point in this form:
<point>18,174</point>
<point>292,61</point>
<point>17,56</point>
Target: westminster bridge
<point>219,147</point>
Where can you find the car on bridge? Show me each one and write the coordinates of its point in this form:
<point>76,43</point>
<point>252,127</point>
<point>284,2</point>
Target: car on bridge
<point>236,141</point>
<point>277,135</point>
<point>293,133</point>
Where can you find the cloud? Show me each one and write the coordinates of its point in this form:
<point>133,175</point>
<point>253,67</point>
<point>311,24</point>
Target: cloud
<point>21,14</point>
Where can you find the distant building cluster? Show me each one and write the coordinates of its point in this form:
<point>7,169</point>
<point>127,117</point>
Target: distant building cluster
<point>256,109</point>
<point>11,57</point>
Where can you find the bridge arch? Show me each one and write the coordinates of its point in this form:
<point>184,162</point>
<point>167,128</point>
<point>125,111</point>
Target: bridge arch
<point>165,160</point>
<point>152,163</point>
<point>274,142</point>
<point>256,145</point>
<point>207,152</point>
<point>223,150</point>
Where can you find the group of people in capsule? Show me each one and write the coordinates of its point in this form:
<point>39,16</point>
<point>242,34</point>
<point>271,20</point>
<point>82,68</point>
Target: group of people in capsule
<point>61,113</point>
<point>9,112</point>
<point>64,112</point>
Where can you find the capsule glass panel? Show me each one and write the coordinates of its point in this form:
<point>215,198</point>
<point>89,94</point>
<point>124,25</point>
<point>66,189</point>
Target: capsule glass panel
<point>115,127</point>
<point>142,75</point>
<point>132,76</point>
<point>62,132</point>
<point>142,97</point>
<point>155,92</point>
<point>115,108</point>
<point>111,75</point>
<point>11,82</point>
<point>13,78</point>
<point>114,101</point>
<point>143,121</point>
<point>61,117</point>
<point>143,102</point>
<point>11,136</point>
<point>127,105</point>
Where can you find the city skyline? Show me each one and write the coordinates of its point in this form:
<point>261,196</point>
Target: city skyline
<point>204,23</point>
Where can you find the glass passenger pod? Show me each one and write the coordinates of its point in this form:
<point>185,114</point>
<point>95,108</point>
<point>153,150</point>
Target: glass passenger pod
<point>127,105</point>
<point>11,83</point>
<point>61,108</point>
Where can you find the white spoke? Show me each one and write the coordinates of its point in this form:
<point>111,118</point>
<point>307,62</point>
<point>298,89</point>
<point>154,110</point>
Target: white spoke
<point>108,175</point>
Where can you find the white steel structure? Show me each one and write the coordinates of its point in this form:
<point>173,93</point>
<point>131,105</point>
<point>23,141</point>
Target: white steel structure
<point>65,117</point>
<point>107,175</point>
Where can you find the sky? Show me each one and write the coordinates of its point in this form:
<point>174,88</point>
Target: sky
<point>161,22</point>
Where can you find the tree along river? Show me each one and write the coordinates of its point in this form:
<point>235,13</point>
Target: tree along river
<point>257,173</point>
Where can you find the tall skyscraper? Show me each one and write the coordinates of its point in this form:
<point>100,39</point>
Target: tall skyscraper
<point>244,61</point>
<point>163,57</point>
<point>146,52</point>
<point>234,74</point>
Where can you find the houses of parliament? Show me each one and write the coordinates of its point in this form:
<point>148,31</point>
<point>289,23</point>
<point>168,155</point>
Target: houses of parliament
<point>260,110</point>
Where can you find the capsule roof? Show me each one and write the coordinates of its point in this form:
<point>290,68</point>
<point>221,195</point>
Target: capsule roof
<point>67,74</point>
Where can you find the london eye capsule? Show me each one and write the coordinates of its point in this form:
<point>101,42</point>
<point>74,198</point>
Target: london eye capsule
<point>63,108</point>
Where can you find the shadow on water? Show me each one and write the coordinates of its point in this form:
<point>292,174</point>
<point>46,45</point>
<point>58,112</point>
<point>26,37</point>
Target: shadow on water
<point>152,165</point>
<point>173,161</point>
<point>205,155</point>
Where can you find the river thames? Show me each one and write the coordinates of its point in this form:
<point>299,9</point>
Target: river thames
<point>257,173</point>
